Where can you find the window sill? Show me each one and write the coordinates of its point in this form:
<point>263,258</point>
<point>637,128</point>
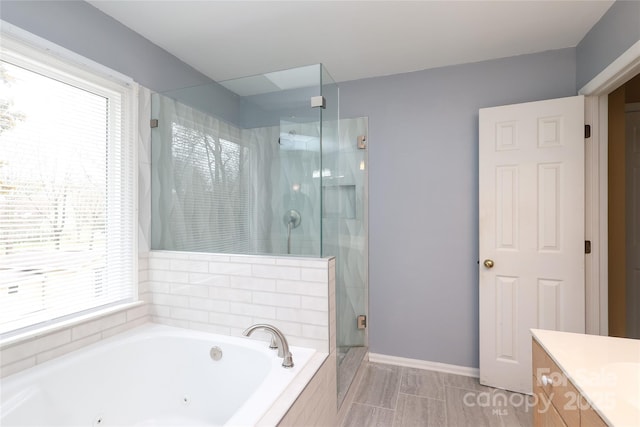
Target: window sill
<point>12,339</point>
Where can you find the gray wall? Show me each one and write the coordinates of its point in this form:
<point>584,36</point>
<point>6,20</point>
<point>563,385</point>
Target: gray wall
<point>423,156</point>
<point>83,29</point>
<point>616,31</point>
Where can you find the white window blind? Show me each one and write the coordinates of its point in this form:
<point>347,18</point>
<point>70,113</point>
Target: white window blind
<point>67,178</point>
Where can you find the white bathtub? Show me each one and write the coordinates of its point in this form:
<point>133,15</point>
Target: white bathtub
<point>153,375</point>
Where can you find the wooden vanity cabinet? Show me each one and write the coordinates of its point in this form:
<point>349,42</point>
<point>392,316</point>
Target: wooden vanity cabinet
<point>558,401</point>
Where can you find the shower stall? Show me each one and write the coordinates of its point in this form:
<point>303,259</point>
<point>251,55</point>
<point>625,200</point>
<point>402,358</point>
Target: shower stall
<point>265,165</point>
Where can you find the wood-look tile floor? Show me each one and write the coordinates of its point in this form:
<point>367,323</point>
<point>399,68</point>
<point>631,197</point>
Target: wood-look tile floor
<point>402,397</point>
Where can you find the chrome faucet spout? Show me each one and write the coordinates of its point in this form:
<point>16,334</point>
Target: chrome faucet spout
<point>280,340</point>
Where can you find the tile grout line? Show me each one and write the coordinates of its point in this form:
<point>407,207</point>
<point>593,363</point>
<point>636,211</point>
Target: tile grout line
<point>423,397</point>
<point>372,406</point>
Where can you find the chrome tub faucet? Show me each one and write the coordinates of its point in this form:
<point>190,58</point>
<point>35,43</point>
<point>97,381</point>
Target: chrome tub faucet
<point>276,336</point>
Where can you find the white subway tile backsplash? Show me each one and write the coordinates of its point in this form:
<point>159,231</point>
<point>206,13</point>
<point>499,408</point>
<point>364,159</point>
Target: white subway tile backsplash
<point>143,276</point>
<point>170,300</point>
<point>189,290</point>
<point>302,262</point>
<point>178,323</point>
<point>312,331</point>
<point>28,353</point>
<point>159,287</point>
<point>189,266</point>
<point>169,255</point>
<point>229,294</point>
<point>276,272</point>
<point>195,256</point>
<point>137,313</point>
<point>209,304</point>
<point>314,303</point>
<point>231,320</point>
<point>207,327</point>
<point>235,291</point>
<point>95,326</point>
<point>301,288</point>
<point>74,345</point>
<point>314,275</point>
<point>189,314</point>
<point>252,310</point>
<point>318,318</point>
<point>319,345</point>
<point>168,276</point>
<point>31,347</point>
<point>276,299</point>
<point>235,269</point>
<point>253,260</point>
<point>203,256</point>
<point>160,310</point>
<point>126,326</point>
<point>209,279</point>
<point>252,283</point>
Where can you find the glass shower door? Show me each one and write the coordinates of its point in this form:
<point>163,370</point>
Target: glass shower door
<point>345,228</point>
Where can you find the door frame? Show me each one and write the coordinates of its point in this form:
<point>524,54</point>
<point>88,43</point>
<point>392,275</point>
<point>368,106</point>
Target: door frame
<point>596,94</point>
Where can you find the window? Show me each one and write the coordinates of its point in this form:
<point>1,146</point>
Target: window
<point>67,175</point>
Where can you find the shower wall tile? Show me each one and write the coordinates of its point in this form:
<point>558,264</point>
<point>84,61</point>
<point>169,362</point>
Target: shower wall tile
<point>237,291</point>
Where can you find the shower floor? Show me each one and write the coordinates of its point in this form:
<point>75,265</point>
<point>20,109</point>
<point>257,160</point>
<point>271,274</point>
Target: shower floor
<point>349,359</point>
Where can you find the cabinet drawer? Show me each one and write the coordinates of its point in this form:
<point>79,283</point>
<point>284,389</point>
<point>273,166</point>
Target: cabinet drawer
<point>589,417</point>
<point>556,386</point>
<point>545,415</point>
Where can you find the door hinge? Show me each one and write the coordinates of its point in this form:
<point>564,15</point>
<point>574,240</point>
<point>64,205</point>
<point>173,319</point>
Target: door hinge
<point>587,246</point>
<point>362,321</point>
<point>587,131</point>
<point>153,123</point>
<point>318,101</point>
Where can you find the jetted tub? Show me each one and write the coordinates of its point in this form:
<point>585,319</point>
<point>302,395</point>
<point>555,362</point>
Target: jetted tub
<point>153,375</point>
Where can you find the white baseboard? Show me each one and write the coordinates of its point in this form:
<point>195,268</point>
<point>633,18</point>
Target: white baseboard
<point>424,364</point>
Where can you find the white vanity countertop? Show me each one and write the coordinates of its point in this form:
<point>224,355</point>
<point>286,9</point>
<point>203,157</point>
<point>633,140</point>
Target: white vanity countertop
<point>605,370</point>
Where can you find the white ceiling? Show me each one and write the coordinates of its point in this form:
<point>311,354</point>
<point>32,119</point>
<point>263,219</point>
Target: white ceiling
<point>353,39</point>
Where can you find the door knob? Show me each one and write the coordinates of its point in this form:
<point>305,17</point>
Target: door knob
<point>488,263</point>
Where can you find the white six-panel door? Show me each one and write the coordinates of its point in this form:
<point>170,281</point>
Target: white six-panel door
<point>531,195</point>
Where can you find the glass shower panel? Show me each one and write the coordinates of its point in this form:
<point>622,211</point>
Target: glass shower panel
<point>236,166</point>
<point>345,225</point>
<point>200,167</point>
<point>249,166</point>
<point>286,217</point>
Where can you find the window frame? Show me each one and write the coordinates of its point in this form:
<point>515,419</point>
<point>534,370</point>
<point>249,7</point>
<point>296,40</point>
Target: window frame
<point>52,61</point>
